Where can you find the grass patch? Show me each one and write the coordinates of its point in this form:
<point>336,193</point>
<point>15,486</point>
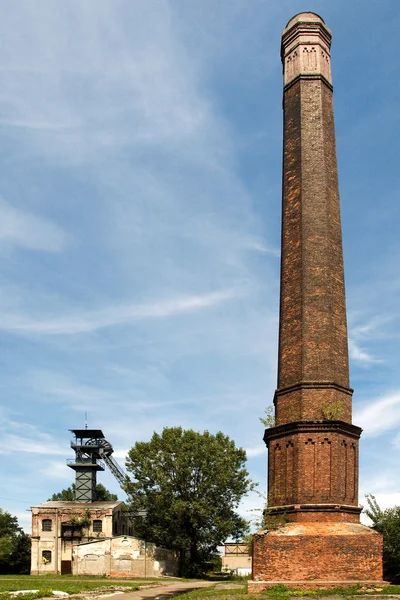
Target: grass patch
<point>281,592</point>
<point>66,583</point>
<point>214,592</point>
<point>41,594</point>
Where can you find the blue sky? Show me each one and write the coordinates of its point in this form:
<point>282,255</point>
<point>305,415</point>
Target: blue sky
<point>140,198</point>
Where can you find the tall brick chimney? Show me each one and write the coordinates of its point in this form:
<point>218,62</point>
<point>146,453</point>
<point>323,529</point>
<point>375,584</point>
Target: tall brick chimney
<point>313,447</point>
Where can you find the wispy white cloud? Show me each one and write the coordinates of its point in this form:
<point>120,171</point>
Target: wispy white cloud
<point>19,436</point>
<point>115,315</point>
<point>23,229</point>
<point>259,246</point>
<point>369,327</point>
<point>387,499</point>
<point>256,451</point>
<point>24,519</point>
<point>120,454</point>
<point>380,415</point>
<point>60,388</point>
<point>378,483</point>
<point>55,470</point>
<point>11,443</point>
<point>251,508</point>
<point>113,89</point>
<point>364,331</point>
<point>55,387</point>
<point>396,441</point>
<point>358,354</point>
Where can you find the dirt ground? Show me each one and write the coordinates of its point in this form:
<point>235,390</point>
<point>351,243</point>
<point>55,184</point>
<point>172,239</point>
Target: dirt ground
<point>156,591</point>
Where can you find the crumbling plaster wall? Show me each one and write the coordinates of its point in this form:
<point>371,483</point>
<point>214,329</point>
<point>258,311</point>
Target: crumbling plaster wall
<point>232,563</point>
<point>123,556</point>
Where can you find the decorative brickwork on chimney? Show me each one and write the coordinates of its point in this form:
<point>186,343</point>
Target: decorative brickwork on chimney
<point>313,448</point>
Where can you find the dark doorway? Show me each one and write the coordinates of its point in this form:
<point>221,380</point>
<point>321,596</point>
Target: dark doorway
<point>66,567</point>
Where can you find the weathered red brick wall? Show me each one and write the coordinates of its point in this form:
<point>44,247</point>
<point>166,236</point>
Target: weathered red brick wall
<point>313,463</point>
<point>323,552</point>
<point>313,331</point>
<point>312,401</point>
<point>321,514</point>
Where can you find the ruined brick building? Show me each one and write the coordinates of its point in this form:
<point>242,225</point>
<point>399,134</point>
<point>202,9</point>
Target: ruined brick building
<point>313,447</point>
<point>87,537</point>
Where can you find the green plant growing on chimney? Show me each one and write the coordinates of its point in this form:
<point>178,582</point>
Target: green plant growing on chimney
<point>332,411</point>
<point>268,420</point>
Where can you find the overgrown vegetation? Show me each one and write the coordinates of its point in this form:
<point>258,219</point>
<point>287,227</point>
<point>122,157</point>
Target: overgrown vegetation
<point>15,545</point>
<point>281,592</point>
<point>273,522</point>
<point>45,587</point>
<point>387,522</point>
<point>189,485</point>
<point>268,420</point>
<point>68,583</point>
<point>332,411</point>
<point>83,521</point>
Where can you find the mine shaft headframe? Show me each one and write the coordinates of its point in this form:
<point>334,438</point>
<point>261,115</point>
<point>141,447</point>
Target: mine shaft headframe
<point>92,450</point>
<point>89,446</point>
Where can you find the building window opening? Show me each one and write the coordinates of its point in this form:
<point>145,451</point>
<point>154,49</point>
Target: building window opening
<point>97,525</point>
<point>47,525</point>
<point>46,557</point>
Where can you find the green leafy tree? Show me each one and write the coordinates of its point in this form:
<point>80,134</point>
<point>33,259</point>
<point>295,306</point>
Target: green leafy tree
<point>15,545</point>
<point>387,522</point>
<point>104,495</point>
<point>189,485</point>
<point>68,494</point>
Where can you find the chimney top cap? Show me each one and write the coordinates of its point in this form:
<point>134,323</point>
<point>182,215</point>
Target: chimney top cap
<point>308,17</point>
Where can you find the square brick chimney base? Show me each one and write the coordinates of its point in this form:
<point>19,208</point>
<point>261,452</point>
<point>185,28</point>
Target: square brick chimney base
<point>316,555</point>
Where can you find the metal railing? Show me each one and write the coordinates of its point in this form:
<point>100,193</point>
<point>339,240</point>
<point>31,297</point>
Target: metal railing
<point>85,462</point>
